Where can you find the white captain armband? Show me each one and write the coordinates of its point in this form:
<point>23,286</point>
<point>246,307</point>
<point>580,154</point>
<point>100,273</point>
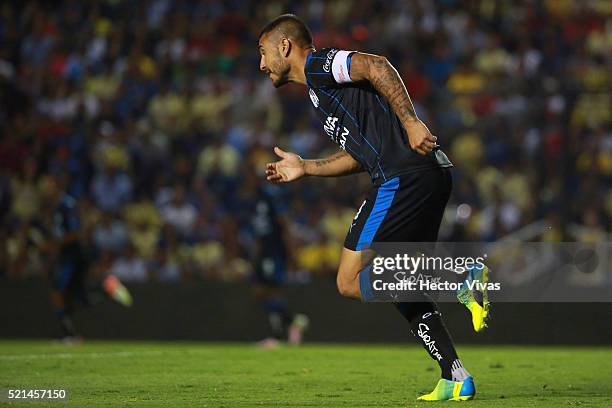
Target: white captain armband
<point>341,66</point>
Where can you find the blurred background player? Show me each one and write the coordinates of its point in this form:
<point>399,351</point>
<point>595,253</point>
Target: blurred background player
<point>68,254</point>
<point>270,255</point>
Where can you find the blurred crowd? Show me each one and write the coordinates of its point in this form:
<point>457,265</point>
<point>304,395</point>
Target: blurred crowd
<point>154,117</point>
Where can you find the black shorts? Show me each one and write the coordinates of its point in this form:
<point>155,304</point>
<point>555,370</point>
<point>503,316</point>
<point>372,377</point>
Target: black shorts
<point>270,270</point>
<point>407,208</point>
<point>69,278</point>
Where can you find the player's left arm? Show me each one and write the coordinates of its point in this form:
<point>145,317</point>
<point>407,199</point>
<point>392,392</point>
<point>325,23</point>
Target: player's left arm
<point>292,167</point>
<point>386,80</point>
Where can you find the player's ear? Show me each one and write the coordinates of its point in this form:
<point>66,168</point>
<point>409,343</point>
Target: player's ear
<point>285,47</point>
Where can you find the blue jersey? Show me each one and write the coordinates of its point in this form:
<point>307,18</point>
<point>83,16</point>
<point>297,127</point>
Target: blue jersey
<point>66,220</point>
<point>360,121</point>
<point>266,225</point>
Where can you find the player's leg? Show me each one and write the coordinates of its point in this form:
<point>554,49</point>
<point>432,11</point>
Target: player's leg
<point>427,326</point>
<point>267,289</point>
<point>423,317</point>
<point>475,300</point>
<point>117,291</point>
<point>106,286</point>
<point>407,209</point>
<point>423,218</point>
<point>424,226</point>
<point>354,260</point>
<point>63,311</point>
<point>92,292</point>
<point>352,263</point>
<point>61,298</point>
<point>274,305</point>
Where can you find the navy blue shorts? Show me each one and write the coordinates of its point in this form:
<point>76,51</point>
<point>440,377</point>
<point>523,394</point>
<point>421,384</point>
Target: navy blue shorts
<point>407,208</point>
<point>69,278</point>
<point>270,270</point>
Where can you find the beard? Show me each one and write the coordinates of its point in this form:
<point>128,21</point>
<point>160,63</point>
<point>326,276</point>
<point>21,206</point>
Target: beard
<point>282,73</point>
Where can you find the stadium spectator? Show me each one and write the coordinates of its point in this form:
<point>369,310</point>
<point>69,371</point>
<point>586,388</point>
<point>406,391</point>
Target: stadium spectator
<point>179,213</point>
<point>129,267</point>
<point>110,234</point>
<point>111,189</point>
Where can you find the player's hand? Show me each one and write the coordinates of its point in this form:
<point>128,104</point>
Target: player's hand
<point>420,138</point>
<point>289,168</point>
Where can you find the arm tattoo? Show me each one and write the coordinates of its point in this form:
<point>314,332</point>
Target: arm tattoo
<point>387,81</point>
<point>330,159</point>
<point>338,164</point>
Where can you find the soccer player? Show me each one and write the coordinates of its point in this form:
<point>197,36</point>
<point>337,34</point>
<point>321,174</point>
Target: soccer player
<point>365,109</point>
<point>69,283</point>
<point>270,255</point>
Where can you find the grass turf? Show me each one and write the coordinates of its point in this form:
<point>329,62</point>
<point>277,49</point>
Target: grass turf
<point>131,374</point>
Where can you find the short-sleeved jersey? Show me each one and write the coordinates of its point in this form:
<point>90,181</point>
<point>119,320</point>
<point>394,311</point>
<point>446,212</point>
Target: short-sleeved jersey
<point>361,121</point>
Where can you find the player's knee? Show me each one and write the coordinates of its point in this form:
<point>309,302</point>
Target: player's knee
<point>347,288</point>
<point>342,287</point>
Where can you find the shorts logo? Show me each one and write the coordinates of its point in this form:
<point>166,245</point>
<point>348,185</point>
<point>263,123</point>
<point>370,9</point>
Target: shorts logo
<point>356,216</point>
<point>314,98</point>
<point>329,59</point>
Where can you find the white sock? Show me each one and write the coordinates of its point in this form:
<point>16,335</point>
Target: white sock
<point>458,372</point>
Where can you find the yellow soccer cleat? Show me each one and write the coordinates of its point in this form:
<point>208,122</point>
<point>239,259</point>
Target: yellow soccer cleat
<point>447,390</point>
<point>476,299</point>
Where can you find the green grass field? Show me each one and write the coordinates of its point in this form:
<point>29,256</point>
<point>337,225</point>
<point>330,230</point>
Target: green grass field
<point>103,374</point>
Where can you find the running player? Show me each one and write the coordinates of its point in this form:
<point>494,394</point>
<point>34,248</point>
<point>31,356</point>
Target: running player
<point>270,257</point>
<point>364,108</point>
<point>65,246</point>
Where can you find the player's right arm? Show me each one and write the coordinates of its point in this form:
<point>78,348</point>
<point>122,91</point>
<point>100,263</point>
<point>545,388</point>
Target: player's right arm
<point>330,67</point>
<point>292,167</point>
<point>386,80</point>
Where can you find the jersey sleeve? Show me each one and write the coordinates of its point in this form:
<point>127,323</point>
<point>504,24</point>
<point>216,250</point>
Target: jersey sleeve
<point>328,67</point>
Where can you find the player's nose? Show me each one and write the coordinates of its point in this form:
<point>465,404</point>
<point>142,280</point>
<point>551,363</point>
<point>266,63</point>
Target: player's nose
<point>262,64</point>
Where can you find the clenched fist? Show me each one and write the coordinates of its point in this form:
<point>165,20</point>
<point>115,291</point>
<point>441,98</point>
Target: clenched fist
<point>420,138</point>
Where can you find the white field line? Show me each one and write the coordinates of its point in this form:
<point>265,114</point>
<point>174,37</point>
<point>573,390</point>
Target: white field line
<point>110,354</point>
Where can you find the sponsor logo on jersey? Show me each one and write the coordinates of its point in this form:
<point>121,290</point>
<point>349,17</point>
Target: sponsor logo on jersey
<point>314,98</point>
<point>329,60</point>
<point>336,133</point>
<point>342,77</point>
